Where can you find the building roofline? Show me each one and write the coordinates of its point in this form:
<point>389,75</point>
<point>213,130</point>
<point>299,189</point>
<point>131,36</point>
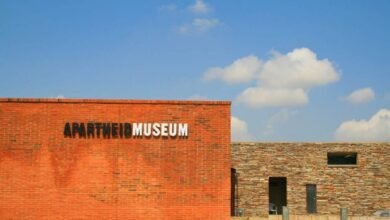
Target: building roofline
<point>113,101</point>
<point>309,142</point>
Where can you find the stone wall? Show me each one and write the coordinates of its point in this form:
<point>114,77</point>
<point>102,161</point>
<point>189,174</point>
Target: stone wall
<point>363,189</point>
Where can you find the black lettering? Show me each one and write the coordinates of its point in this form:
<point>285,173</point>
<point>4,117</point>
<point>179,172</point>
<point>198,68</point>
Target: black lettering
<point>90,130</point>
<point>121,130</point>
<point>106,130</point>
<point>127,130</point>
<point>75,129</point>
<point>98,127</point>
<point>114,130</point>
<point>78,129</point>
<point>67,131</point>
<point>82,130</point>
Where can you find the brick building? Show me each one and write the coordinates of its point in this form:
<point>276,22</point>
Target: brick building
<point>311,178</point>
<point>114,159</point>
<point>134,159</point>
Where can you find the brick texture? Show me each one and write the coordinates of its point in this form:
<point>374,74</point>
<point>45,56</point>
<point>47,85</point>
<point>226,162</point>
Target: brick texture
<point>363,189</point>
<point>44,175</point>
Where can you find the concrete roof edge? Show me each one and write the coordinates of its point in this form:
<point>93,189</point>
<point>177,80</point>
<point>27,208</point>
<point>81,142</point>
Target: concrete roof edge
<point>114,101</point>
<point>319,143</point>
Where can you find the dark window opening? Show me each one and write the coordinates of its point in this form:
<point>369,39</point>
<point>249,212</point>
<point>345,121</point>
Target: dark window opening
<point>277,190</point>
<point>311,198</point>
<point>342,158</point>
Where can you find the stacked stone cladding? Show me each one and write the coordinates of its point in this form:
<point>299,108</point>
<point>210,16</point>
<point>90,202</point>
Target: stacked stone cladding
<point>363,189</point>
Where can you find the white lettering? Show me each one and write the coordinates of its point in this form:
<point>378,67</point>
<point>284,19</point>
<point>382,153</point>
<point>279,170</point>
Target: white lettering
<point>156,129</point>
<point>172,129</point>
<point>164,129</point>
<point>147,129</point>
<point>137,129</point>
<point>183,130</point>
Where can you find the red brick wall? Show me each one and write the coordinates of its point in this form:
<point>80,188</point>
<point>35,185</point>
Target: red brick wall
<point>44,175</point>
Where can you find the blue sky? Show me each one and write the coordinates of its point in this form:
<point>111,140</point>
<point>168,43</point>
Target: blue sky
<point>294,70</point>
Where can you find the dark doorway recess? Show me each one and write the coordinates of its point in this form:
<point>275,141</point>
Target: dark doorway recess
<point>234,192</point>
<point>311,198</point>
<point>277,189</point>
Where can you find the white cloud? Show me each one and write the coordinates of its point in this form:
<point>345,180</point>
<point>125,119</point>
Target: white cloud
<point>377,128</point>
<point>361,96</point>
<point>241,70</point>
<point>239,129</point>
<point>272,97</point>
<point>199,7</point>
<point>283,80</point>
<point>199,25</point>
<point>297,69</point>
